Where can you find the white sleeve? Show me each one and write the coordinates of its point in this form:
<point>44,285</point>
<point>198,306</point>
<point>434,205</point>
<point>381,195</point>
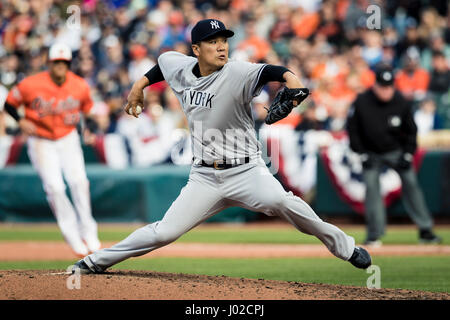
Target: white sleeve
<point>248,75</point>
<point>3,95</point>
<point>171,63</point>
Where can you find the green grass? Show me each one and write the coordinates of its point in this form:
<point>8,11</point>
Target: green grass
<point>219,235</point>
<point>428,273</point>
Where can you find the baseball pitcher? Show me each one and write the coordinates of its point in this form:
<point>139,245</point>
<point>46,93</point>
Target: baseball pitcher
<point>227,169</point>
<point>53,101</point>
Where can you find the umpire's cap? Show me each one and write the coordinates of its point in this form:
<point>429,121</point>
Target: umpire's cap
<point>384,75</point>
<point>207,28</point>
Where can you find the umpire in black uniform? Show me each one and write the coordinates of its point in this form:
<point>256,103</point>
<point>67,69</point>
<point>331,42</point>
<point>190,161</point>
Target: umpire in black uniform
<point>381,129</point>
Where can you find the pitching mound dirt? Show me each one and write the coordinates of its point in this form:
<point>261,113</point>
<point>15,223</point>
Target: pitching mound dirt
<point>137,285</point>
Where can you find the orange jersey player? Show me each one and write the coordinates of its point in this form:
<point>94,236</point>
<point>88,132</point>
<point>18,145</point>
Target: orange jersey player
<point>53,101</point>
<point>53,109</point>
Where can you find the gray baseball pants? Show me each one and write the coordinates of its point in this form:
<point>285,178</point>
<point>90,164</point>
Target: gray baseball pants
<point>412,196</point>
<point>210,191</point>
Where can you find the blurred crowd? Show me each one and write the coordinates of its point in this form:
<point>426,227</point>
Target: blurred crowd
<point>327,43</point>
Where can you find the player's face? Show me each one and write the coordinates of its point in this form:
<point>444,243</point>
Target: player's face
<point>58,68</point>
<point>213,52</point>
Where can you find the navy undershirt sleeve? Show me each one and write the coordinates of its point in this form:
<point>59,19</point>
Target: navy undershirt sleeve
<point>272,73</point>
<point>154,75</point>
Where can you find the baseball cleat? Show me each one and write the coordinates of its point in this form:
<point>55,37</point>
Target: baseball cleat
<point>83,267</point>
<point>80,250</point>
<point>93,244</point>
<point>373,243</point>
<point>360,258</point>
<point>428,237</point>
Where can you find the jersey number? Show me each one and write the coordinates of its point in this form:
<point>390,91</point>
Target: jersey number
<point>71,119</point>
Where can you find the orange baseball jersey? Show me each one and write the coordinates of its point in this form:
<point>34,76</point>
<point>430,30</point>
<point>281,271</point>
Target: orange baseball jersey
<point>55,110</point>
<point>407,84</point>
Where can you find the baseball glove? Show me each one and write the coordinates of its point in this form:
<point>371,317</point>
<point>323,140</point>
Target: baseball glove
<point>282,105</point>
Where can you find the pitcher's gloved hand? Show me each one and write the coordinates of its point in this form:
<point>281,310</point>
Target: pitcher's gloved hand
<point>283,103</point>
<point>366,160</point>
<point>405,161</point>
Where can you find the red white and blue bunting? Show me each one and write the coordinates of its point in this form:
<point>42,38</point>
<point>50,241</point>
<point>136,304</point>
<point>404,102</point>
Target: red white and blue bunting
<point>297,162</point>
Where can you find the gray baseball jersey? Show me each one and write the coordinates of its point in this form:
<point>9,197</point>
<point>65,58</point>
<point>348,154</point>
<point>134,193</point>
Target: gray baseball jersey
<point>217,106</point>
<point>219,113</point>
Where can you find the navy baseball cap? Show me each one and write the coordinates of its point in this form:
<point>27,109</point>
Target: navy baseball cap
<point>384,76</point>
<point>207,28</point>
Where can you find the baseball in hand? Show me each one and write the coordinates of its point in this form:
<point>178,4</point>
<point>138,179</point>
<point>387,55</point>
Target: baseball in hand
<point>138,110</point>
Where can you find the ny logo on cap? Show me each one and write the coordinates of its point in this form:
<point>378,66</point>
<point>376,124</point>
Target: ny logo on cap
<point>215,24</point>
